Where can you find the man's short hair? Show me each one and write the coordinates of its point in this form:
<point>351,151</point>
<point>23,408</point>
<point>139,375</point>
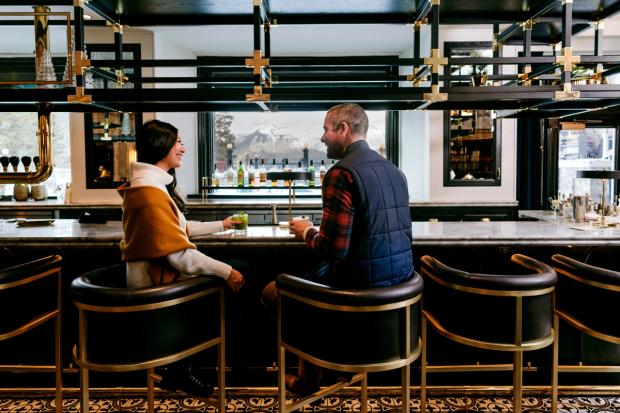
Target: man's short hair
<point>353,115</point>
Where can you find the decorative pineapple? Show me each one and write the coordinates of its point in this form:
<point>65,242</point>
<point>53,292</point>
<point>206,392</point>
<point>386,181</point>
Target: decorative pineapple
<point>21,192</point>
<point>38,191</point>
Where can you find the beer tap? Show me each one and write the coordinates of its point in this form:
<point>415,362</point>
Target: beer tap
<point>26,161</point>
<point>4,161</point>
<point>14,160</point>
<point>38,191</point>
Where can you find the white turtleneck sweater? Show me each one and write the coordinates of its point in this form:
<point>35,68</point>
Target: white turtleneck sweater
<point>189,262</point>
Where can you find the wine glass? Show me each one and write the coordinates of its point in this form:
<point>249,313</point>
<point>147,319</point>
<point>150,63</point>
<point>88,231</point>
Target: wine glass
<point>555,206</point>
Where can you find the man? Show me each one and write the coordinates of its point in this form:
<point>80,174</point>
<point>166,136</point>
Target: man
<point>365,234</point>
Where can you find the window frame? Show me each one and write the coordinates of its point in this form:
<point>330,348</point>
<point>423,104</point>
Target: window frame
<point>206,145</point>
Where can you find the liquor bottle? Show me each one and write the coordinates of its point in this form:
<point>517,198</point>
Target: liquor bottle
<point>322,171</point>
<point>251,171</point>
<point>274,168</point>
<point>312,173</point>
<point>215,180</point>
<point>286,168</point>
<point>262,173</point>
<point>240,175</point>
<point>230,174</point>
<point>300,182</point>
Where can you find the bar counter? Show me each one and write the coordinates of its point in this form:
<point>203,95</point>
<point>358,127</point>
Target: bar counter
<point>270,250</point>
<point>69,232</point>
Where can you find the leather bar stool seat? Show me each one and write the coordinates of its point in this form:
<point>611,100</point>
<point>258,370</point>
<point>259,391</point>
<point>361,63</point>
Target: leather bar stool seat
<point>510,311</point>
<point>123,329</point>
<point>354,331</point>
<point>588,299</point>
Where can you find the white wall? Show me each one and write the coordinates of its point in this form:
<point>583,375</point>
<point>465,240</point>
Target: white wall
<point>187,179</point>
<point>415,134</point>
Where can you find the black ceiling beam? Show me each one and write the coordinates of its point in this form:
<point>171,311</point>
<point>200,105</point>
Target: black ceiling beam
<point>246,19</point>
<point>274,62</point>
<point>54,22</point>
<point>539,11</point>
<point>103,11</point>
<point>37,3</point>
<point>422,10</point>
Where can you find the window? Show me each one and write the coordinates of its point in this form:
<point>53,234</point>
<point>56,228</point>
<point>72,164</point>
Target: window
<point>287,138</point>
<point>591,148</point>
<point>18,137</point>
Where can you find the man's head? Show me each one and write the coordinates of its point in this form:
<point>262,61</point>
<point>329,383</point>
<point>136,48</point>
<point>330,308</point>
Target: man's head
<point>344,124</point>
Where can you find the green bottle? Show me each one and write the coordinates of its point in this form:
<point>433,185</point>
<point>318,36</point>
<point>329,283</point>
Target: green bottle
<point>240,175</point>
<point>312,172</point>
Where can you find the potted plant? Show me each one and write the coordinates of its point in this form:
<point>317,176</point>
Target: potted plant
<point>479,75</point>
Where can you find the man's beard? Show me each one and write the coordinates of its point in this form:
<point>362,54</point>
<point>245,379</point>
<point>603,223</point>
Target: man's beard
<point>334,152</point>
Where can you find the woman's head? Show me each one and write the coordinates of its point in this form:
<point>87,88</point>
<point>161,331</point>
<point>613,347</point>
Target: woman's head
<point>158,143</point>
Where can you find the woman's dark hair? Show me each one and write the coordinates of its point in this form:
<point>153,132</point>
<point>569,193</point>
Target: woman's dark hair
<point>153,142</point>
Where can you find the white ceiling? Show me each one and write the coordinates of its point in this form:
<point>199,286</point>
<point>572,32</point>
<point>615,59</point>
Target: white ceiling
<point>291,40</point>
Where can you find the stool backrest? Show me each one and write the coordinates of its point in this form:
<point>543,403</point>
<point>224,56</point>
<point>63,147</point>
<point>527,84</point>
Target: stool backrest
<point>30,294</point>
<point>372,329</point>
<point>134,326</point>
<point>511,307</point>
<point>590,295</point>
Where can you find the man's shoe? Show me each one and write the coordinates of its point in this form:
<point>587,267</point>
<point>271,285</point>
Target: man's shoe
<point>185,381</point>
<point>300,386</point>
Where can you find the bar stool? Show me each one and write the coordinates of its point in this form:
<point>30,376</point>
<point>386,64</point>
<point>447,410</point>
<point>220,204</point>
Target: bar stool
<point>123,330</point>
<point>31,294</point>
<point>502,312</point>
<point>368,330</point>
<point>586,297</point>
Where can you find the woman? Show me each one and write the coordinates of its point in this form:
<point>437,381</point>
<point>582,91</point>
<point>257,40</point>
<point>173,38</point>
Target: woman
<point>156,246</point>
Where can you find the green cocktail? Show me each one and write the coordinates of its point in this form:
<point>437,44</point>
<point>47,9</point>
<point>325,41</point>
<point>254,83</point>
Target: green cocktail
<point>242,226</point>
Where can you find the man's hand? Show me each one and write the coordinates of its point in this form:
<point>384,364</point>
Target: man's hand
<point>298,226</point>
<point>235,281</point>
<point>229,223</point>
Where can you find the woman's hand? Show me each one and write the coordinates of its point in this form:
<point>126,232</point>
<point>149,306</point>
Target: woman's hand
<point>235,281</point>
<point>229,223</point>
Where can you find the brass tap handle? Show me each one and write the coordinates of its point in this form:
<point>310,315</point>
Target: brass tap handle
<point>14,160</point>
<point>26,160</point>
<point>4,161</point>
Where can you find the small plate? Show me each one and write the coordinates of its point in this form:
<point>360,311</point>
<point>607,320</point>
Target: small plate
<point>34,222</point>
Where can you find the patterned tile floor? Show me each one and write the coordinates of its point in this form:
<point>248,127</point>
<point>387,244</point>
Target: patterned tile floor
<point>265,400</point>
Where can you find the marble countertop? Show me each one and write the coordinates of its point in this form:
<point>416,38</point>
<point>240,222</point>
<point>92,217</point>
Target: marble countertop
<point>229,203</point>
<point>542,215</point>
<point>67,232</point>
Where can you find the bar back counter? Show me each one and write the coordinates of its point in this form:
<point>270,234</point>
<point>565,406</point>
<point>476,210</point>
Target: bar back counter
<point>270,250</point>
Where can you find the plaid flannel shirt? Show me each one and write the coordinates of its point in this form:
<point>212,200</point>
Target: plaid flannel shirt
<point>333,238</point>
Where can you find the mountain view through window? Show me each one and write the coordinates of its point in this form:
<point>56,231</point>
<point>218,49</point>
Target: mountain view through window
<point>286,137</point>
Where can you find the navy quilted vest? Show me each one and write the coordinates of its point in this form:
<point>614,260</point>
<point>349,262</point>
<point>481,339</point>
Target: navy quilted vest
<point>380,253</point>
